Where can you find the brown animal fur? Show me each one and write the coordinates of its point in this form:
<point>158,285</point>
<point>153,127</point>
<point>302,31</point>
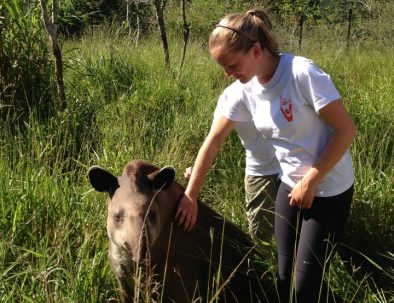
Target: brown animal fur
<point>140,220</point>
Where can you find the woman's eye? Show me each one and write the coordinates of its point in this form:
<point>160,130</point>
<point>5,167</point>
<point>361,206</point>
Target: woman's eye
<point>232,65</point>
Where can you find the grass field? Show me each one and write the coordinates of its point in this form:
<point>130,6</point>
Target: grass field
<point>123,104</point>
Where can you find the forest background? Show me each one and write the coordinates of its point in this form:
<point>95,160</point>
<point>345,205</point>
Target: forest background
<point>129,92</point>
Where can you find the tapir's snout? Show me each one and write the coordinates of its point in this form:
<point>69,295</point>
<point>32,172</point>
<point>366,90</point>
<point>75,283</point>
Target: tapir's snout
<point>138,252</point>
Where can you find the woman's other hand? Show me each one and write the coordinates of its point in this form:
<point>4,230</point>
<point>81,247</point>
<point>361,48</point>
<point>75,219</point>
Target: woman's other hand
<point>303,194</point>
<point>188,173</point>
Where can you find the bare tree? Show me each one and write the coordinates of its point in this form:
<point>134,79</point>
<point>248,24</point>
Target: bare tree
<point>160,5</point>
<point>353,7</point>
<point>186,31</point>
<point>128,10</point>
<point>4,62</point>
<point>138,20</point>
<point>50,25</point>
<point>349,26</point>
<point>301,28</point>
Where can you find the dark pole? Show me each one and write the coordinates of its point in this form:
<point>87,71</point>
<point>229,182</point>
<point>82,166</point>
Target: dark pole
<point>349,27</point>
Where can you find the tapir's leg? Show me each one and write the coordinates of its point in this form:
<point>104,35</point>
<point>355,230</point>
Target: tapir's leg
<point>126,290</point>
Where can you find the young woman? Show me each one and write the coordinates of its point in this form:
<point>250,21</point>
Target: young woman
<point>261,172</point>
<point>296,107</point>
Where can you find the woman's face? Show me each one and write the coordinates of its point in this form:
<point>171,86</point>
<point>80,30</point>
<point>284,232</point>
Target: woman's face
<point>239,65</point>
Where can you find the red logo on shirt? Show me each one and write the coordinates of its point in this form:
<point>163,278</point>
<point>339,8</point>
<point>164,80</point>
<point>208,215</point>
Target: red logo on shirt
<point>286,107</point>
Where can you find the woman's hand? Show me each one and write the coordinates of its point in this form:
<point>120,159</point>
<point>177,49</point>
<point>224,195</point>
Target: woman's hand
<point>303,194</point>
<point>344,131</point>
<point>188,173</point>
<point>187,208</point>
<point>186,214</point>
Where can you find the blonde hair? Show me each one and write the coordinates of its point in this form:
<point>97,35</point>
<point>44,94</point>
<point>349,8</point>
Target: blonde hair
<point>238,32</point>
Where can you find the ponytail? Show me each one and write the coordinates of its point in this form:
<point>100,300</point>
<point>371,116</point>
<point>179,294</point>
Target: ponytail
<point>238,32</point>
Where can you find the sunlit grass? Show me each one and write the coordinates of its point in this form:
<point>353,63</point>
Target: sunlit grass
<point>123,104</point>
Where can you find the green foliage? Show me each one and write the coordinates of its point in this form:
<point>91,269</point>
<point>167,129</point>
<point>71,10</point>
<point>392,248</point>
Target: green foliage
<point>77,15</point>
<point>23,48</point>
<point>74,16</point>
<point>306,8</point>
<point>202,24</point>
<point>124,104</point>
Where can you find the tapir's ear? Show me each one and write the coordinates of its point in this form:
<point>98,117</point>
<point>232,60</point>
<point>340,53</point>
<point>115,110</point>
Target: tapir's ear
<point>103,180</point>
<point>163,178</point>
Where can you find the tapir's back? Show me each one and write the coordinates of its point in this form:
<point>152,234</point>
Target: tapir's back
<point>214,247</point>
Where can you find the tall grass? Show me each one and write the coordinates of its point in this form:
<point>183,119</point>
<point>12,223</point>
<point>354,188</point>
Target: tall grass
<point>22,50</point>
<point>123,105</point>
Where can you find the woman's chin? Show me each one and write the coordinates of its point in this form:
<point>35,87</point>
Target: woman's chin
<point>243,79</point>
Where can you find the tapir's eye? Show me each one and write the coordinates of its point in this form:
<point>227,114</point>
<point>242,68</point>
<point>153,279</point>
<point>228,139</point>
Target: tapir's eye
<point>118,217</point>
<point>152,216</point>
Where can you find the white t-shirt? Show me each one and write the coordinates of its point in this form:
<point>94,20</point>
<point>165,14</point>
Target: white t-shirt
<point>286,112</point>
<point>260,157</point>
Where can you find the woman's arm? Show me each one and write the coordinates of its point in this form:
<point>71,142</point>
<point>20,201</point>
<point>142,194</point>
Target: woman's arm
<point>186,214</point>
<point>344,132</point>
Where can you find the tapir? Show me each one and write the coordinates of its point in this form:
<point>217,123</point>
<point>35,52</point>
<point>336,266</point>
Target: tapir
<point>214,262</point>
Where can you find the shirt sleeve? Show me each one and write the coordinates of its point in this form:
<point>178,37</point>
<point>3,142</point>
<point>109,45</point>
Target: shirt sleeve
<point>315,85</point>
<point>219,107</point>
<point>232,103</point>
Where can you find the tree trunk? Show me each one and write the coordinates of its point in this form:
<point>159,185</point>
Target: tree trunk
<point>159,5</point>
<point>349,27</point>
<point>127,11</point>
<point>301,24</point>
<point>138,17</point>
<point>51,28</point>
<point>186,31</point>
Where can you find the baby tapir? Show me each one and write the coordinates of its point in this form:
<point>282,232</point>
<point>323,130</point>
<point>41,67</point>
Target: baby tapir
<point>214,260</point>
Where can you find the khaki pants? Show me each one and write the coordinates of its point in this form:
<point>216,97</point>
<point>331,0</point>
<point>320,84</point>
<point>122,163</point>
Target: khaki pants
<point>260,195</point>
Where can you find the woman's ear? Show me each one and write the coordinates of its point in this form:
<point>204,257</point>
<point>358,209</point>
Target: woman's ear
<point>256,50</point>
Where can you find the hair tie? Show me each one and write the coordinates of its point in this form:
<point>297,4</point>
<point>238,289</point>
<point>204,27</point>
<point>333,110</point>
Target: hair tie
<point>262,16</point>
<point>238,32</point>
